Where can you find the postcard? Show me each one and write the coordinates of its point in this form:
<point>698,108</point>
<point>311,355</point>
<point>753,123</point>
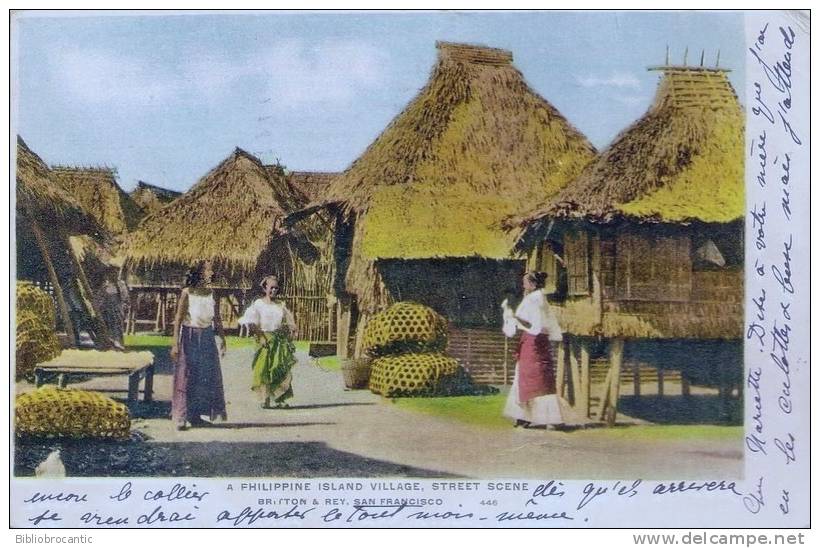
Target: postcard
<point>410,269</point>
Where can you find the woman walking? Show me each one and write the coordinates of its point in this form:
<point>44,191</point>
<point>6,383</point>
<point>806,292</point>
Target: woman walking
<point>198,388</point>
<point>533,400</point>
<point>274,327</point>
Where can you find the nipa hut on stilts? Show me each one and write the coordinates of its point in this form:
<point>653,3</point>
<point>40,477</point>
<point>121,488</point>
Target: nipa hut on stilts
<point>651,240</point>
<point>418,214</point>
<point>232,217</point>
<point>150,198</point>
<point>47,220</point>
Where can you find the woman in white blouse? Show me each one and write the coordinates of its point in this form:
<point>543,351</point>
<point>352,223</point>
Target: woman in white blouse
<point>532,399</point>
<point>274,327</point>
<point>197,388</point>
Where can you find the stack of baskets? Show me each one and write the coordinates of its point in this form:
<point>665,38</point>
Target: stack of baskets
<point>407,342</point>
<point>58,412</point>
<point>36,340</point>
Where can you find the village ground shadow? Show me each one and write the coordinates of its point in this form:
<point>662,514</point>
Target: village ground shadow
<point>137,458</point>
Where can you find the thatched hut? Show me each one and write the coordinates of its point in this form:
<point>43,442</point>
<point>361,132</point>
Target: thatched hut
<point>419,213</point>
<point>47,219</point>
<point>233,217</point>
<point>150,198</point>
<point>97,190</point>
<point>651,240</point>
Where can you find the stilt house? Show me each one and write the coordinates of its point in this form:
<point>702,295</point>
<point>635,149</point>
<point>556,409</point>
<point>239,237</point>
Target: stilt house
<point>650,241</point>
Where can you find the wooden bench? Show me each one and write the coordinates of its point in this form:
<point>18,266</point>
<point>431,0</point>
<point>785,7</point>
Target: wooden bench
<point>136,365</point>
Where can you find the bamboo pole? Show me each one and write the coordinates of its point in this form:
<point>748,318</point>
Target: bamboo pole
<point>68,324</point>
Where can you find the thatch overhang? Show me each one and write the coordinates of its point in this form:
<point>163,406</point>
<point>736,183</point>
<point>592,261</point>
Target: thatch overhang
<point>231,217</point>
<point>40,197</point>
<point>97,190</point>
<point>150,198</point>
<point>477,144</point>
<point>681,163</point>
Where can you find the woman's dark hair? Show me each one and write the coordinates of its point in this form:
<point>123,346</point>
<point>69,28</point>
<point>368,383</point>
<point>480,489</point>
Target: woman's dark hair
<point>195,274</point>
<point>538,279</point>
<point>271,277</point>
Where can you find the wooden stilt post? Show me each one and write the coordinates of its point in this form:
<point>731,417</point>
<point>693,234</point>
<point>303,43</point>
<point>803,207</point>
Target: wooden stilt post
<point>575,374</point>
<point>343,327</point>
<point>561,369</point>
<point>660,381</point>
<point>68,324</point>
<point>685,387</point>
<point>616,354</point>
<point>358,349</point>
<point>159,313</point>
<point>163,304</point>
<point>585,383</point>
<point>636,379</point>
<point>605,393</point>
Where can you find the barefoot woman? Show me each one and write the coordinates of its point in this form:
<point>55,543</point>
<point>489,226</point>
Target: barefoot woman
<point>198,386</point>
<point>533,399</point>
<point>274,327</point>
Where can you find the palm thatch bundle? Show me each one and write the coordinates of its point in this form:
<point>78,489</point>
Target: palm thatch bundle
<point>232,216</point>
<point>100,195</point>
<point>40,197</point>
<point>681,162</point>
<point>150,198</point>
<point>476,145</point>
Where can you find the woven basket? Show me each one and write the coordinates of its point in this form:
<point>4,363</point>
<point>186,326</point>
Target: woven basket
<point>356,373</point>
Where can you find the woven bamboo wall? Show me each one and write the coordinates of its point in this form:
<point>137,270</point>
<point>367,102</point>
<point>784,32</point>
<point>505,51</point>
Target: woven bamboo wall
<point>486,353</point>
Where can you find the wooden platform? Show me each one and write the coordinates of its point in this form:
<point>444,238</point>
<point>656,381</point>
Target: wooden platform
<point>135,365</point>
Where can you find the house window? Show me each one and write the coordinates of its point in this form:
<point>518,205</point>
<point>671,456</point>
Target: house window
<point>576,259</point>
<point>546,261</point>
<point>652,267</point>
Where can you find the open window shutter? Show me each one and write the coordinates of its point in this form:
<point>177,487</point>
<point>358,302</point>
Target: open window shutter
<point>549,264</point>
<point>576,255</point>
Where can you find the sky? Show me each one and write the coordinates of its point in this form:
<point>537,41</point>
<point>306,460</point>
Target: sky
<point>165,98</point>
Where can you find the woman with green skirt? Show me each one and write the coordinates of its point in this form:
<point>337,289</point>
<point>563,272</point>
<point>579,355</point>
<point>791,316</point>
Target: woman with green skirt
<point>274,327</point>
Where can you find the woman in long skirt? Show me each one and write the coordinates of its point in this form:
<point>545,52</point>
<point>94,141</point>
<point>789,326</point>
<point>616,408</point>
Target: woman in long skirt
<point>533,400</point>
<point>197,390</point>
<point>274,326</point>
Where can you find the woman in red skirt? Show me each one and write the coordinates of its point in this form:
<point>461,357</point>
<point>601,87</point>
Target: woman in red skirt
<point>533,400</point>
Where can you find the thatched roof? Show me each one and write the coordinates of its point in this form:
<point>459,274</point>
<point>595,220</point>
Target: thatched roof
<point>313,183</point>
<point>681,162</point>
<point>150,198</point>
<point>44,199</point>
<point>287,192</point>
<point>230,216</point>
<point>473,147</point>
<point>100,195</point>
